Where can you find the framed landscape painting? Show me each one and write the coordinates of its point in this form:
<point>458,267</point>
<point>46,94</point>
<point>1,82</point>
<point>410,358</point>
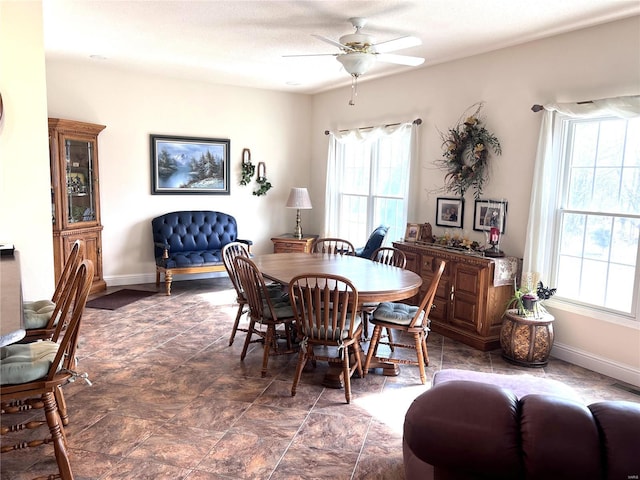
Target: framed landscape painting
<point>189,165</point>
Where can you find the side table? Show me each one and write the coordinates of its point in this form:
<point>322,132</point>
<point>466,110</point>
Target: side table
<point>287,243</point>
<point>526,341</point>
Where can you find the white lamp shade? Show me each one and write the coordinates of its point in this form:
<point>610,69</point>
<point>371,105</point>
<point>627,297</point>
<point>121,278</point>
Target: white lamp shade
<point>299,198</point>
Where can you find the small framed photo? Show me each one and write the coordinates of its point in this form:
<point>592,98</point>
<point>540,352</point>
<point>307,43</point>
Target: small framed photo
<point>449,212</point>
<point>411,234</point>
<point>490,213</point>
<point>189,165</point>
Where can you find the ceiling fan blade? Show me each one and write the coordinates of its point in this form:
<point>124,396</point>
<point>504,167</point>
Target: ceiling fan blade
<point>400,59</point>
<point>397,44</point>
<point>333,42</point>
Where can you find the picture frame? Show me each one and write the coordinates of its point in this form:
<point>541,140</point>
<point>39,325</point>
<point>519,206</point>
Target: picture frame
<point>449,212</point>
<point>411,233</point>
<point>490,213</point>
<point>189,165</point>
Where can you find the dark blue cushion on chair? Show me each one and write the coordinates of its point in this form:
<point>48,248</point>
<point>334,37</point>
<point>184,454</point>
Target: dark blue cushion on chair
<point>375,241</point>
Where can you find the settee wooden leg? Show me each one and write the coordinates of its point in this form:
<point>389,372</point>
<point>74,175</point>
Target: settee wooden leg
<point>168,278</point>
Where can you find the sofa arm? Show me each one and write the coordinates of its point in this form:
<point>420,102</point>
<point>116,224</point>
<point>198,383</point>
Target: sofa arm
<point>463,430</point>
<point>165,250</point>
<point>248,243</point>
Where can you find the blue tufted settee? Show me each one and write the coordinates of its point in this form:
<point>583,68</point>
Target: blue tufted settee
<point>191,242</point>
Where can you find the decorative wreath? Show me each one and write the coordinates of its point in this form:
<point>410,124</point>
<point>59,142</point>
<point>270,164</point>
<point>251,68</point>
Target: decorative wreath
<point>466,154</point>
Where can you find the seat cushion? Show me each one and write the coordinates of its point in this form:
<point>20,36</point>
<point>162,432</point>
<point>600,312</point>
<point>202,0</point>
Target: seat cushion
<point>337,334</point>
<point>281,308</point>
<point>38,313</point>
<point>398,313</point>
<point>191,259</point>
<point>22,363</point>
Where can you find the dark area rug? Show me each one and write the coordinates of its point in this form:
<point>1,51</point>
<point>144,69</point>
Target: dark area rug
<point>118,299</point>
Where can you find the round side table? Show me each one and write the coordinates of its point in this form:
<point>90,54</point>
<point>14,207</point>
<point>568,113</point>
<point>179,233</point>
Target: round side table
<point>526,341</point>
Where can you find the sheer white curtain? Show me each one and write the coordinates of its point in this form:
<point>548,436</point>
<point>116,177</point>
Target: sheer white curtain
<point>336,159</point>
<point>539,249</point>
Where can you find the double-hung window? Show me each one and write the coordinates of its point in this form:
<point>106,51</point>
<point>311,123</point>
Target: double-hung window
<point>585,214</point>
<point>368,182</point>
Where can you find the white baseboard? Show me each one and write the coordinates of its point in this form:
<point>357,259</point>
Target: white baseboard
<point>584,359</point>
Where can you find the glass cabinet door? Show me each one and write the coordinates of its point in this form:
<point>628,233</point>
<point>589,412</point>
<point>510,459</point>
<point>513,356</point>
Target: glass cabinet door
<point>79,160</point>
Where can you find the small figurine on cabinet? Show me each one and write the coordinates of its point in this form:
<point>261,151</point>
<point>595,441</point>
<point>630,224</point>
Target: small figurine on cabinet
<point>426,233</point>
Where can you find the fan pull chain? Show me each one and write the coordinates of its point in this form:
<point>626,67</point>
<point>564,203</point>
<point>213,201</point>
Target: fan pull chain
<point>354,89</point>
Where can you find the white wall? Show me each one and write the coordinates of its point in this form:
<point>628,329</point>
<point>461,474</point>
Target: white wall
<point>598,62</point>
<point>274,125</point>
<point>25,200</point>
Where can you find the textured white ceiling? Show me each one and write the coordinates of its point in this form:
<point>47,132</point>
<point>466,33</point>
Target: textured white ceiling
<point>243,42</point>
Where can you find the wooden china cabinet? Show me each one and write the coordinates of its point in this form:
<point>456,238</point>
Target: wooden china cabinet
<point>468,305</point>
<point>75,193</point>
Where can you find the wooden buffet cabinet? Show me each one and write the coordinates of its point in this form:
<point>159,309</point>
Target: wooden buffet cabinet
<point>468,307</point>
<point>287,243</point>
<point>75,193</point>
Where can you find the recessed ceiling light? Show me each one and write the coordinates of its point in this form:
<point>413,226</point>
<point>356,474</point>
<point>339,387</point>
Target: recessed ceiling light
<point>97,57</point>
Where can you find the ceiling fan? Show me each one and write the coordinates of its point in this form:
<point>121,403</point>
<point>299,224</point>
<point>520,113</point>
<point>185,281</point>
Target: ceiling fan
<point>358,51</point>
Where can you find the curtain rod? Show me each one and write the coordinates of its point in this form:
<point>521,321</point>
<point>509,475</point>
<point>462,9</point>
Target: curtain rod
<point>417,121</point>
<point>536,108</point>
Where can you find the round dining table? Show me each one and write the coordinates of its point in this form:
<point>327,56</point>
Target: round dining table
<point>375,282</point>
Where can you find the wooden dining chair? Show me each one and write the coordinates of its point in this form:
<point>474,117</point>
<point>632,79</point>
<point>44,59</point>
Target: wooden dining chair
<point>326,311</point>
<point>336,246</point>
<point>229,252</point>
<point>387,256</point>
<point>390,256</point>
<point>41,316</point>
<point>406,319</point>
<point>264,311</point>
<point>32,373</point>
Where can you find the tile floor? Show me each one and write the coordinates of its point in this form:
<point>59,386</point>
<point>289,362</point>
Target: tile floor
<point>171,400</point>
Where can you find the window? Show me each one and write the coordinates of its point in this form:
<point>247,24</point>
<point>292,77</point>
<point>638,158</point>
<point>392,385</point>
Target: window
<point>598,213</point>
<point>584,215</point>
<point>368,183</point>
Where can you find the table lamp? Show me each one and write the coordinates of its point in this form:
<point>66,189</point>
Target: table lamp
<point>298,199</point>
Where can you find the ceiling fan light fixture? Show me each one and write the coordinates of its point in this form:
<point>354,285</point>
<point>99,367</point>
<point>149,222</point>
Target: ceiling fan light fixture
<point>356,64</point>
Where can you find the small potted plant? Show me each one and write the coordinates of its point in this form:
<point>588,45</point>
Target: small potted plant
<point>528,302</point>
<point>517,301</point>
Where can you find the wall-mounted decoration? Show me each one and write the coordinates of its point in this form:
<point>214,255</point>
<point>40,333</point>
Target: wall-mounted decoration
<point>488,214</point>
<point>467,147</point>
<point>189,165</point>
<point>411,233</point>
<point>261,180</point>
<point>248,168</point>
<point>449,212</point>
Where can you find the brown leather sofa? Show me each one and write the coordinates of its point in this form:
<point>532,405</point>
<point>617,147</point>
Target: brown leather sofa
<point>476,428</point>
